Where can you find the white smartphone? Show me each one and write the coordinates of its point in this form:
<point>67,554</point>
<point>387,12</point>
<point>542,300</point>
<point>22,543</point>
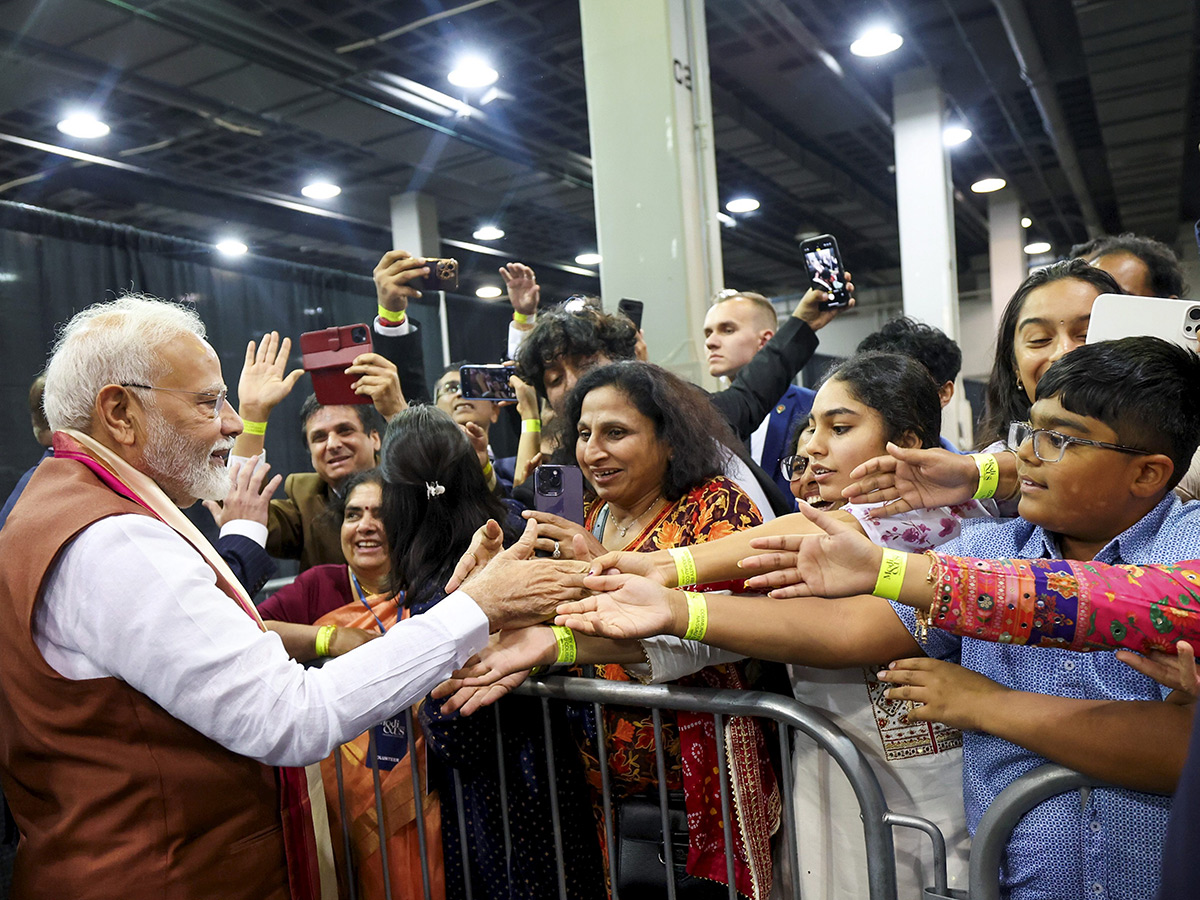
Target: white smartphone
<point>1120,315</point>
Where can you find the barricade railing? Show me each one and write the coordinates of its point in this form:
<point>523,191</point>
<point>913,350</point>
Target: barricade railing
<point>1002,816</point>
<point>788,713</point>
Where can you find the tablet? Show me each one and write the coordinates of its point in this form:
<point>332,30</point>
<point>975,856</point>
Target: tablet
<point>1121,315</point>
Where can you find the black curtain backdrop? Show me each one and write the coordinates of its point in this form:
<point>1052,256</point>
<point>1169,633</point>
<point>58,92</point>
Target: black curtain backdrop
<point>52,265</point>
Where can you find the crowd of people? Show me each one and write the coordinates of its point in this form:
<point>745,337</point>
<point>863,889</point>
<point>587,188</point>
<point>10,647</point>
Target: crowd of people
<point>963,617</point>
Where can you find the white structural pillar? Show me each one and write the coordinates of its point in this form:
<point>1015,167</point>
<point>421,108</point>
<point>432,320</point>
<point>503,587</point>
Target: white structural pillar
<point>1006,248</point>
<point>654,170</point>
<point>415,224</point>
<point>925,201</point>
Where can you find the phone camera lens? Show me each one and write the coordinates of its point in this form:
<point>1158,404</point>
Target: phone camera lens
<point>1194,313</point>
<point>359,335</point>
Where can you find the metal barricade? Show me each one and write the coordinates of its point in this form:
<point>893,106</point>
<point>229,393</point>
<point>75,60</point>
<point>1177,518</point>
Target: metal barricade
<point>787,712</point>
<point>1002,816</point>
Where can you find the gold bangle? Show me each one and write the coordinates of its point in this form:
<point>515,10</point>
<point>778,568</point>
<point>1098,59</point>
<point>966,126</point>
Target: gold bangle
<point>697,626</point>
<point>259,428</point>
<point>891,575</point>
<point>565,638</point>
<point>989,475</point>
<point>324,636</point>
<point>685,566</point>
<point>531,426</point>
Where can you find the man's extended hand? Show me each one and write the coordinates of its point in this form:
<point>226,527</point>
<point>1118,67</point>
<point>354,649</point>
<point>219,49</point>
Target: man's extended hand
<point>265,380</point>
<point>394,277</point>
<point>508,653</point>
<point>625,607</point>
<point>523,290</point>
<point>810,308</point>
<point>247,498</point>
<point>913,479</point>
<point>950,694</point>
<point>842,562</point>
<point>380,380</point>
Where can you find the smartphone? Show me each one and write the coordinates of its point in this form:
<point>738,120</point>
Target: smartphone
<point>632,310</point>
<point>824,263</point>
<point>487,382</point>
<point>1119,315</point>
<point>443,274</point>
<point>326,355</point>
<point>559,490</point>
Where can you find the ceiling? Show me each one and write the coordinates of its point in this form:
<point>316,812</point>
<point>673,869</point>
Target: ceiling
<point>221,109</point>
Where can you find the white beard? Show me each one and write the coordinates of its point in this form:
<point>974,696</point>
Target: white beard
<point>183,468</point>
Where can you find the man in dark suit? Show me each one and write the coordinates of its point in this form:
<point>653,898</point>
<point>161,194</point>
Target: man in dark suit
<point>737,327</point>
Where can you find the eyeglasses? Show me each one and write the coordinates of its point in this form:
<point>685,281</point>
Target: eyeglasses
<point>793,467</point>
<point>217,400</point>
<point>1049,446</point>
<point>449,388</point>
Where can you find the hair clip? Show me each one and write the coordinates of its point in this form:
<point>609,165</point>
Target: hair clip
<point>433,489</point>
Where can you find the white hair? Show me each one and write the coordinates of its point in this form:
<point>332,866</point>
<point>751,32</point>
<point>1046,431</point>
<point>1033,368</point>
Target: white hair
<point>117,342</point>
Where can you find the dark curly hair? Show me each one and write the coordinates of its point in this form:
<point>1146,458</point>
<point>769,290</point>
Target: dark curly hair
<point>1005,401</point>
<point>701,441</point>
<point>899,388</point>
<point>927,345</point>
<point>559,334</point>
<point>428,534</point>
<point>1166,273</point>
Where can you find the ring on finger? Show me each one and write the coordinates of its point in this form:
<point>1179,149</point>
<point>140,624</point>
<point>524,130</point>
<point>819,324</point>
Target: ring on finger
<point>557,554</point>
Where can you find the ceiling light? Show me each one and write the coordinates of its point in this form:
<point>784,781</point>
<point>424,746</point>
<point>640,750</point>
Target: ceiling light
<point>953,135</point>
<point>1026,221</point>
<point>726,220</point>
<point>231,247</point>
<point>487,233</point>
<point>876,42</point>
<point>488,292</point>
<point>83,125</point>
<point>589,259</point>
<point>742,205</point>
<point>472,72</point>
<point>988,185</point>
<point>320,190</point>
<point>1037,247</point>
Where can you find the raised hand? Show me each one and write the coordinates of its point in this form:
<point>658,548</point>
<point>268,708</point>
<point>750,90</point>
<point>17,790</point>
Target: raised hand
<point>524,292</point>
<point>265,380</point>
<point>487,541</point>
<point>913,479</point>
<point>811,310</point>
<point>557,533</point>
<point>625,607</point>
<point>842,562</point>
<point>380,380</point>
<point>945,692</point>
<point>394,276</point>
<point>247,497</point>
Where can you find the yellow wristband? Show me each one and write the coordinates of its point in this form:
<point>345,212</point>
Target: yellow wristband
<point>685,566</point>
<point>392,316</point>
<point>487,469</point>
<point>697,625</point>
<point>891,575</point>
<point>566,645</point>
<point>989,475</point>
<point>522,318</point>
<point>259,428</point>
<point>531,426</point>
<point>324,635</point>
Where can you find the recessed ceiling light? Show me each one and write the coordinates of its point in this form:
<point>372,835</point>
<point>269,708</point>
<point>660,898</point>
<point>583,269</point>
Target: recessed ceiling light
<point>1026,221</point>
<point>988,185</point>
<point>472,72</point>
<point>726,220</point>
<point>83,125</point>
<point>953,135</point>
<point>589,259</point>
<point>488,233</point>
<point>488,292</point>
<point>320,190</point>
<point>1037,247</point>
<point>876,42</point>
<point>742,205</point>
<point>231,247</point>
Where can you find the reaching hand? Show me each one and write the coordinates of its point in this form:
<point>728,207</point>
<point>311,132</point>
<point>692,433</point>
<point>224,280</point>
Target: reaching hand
<point>265,380</point>
<point>842,562</point>
<point>522,474</point>
<point>380,380</point>
<point>557,533</point>
<point>247,498</point>
<point>467,700</point>
<point>913,479</point>
<point>628,562</point>
<point>487,541</point>
<point>949,693</point>
<point>507,652</point>
<point>527,399</point>
<point>394,276</point>
<point>1178,671</point>
<point>523,289</point>
<point>624,607</point>
<point>816,315</point>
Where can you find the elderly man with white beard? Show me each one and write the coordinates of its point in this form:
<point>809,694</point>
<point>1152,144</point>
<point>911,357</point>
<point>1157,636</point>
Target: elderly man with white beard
<point>153,732</point>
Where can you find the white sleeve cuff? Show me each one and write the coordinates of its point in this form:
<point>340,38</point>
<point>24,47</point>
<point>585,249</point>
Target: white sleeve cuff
<point>671,658</point>
<point>405,327</point>
<point>256,531</point>
<point>466,623</point>
<point>515,338</point>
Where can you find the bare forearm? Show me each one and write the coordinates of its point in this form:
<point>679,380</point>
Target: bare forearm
<point>1138,744</point>
<point>298,640</point>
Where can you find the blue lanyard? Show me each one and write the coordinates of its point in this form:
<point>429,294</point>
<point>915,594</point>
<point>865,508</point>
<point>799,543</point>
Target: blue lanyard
<point>362,597</point>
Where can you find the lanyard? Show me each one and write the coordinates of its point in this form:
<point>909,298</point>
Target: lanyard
<point>362,597</point>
